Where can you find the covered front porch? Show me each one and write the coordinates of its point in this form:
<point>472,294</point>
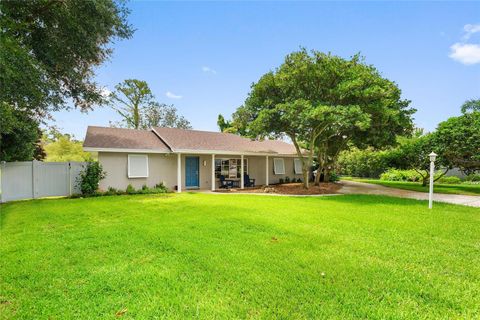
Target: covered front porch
<point>200,171</point>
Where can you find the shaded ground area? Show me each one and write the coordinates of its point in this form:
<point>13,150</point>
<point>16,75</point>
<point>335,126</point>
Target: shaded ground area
<point>354,187</point>
<point>290,188</point>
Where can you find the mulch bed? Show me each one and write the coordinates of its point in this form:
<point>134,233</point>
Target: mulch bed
<point>291,188</point>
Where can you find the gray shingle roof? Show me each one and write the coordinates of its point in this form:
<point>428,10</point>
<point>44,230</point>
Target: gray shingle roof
<point>116,138</point>
<point>180,139</point>
<point>171,139</point>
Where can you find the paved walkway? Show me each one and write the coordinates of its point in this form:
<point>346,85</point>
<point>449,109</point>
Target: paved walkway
<point>353,187</point>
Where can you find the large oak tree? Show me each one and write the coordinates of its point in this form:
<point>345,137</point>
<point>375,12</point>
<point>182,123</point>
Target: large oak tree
<point>458,140</point>
<point>49,51</point>
<point>306,98</point>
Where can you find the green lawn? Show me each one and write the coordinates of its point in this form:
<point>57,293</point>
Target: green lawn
<point>465,189</point>
<point>239,256</point>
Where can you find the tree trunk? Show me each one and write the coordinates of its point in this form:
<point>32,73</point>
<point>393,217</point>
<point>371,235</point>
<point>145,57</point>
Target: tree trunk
<point>424,181</point>
<point>305,176</point>
<point>306,161</point>
<point>444,173</point>
<point>319,169</point>
<point>326,175</point>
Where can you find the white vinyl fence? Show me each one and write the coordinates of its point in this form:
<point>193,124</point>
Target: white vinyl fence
<point>35,179</point>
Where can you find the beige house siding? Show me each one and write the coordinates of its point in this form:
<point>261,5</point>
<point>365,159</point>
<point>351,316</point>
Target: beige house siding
<point>257,170</point>
<point>163,167</point>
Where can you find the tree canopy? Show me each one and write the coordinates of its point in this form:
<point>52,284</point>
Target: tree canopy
<point>315,97</point>
<point>134,101</point>
<point>49,50</point>
<point>63,147</point>
<point>414,154</point>
<point>223,124</point>
<point>458,140</point>
<point>470,106</point>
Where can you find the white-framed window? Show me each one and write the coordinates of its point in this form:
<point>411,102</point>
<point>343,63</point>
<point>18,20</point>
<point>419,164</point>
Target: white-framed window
<point>278,166</point>
<point>137,166</point>
<point>297,166</point>
<point>230,168</point>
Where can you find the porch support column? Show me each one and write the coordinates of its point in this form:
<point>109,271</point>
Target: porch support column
<point>242,182</point>
<point>266,170</point>
<point>213,172</point>
<point>179,172</point>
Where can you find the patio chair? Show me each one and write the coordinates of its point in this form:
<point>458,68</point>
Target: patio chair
<point>247,182</point>
<point>225,184</point>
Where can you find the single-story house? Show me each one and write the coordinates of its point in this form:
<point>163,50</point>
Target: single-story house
<point>188,159</point>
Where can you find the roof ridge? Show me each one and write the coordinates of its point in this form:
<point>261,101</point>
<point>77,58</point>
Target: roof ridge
<point>162,139</point>
<point>196,130</point>
<point>132,129</point>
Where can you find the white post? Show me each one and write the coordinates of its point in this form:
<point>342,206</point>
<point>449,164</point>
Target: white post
<point>69,169</point>
<point>242,182</point>
<point>2,173</point>
<point>432,156</point>
<point>266,170</point>
<point>179,172</point>
<point>34,174</point>
<point>213,172</point>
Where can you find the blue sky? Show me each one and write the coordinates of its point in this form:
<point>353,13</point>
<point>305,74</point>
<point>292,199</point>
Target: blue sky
<point>203,56</point>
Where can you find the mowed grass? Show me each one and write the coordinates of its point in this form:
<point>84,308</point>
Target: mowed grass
<point>465,189</point>
<point>239,256</point>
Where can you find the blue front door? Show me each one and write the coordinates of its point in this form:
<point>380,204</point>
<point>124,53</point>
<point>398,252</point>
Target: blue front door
<point>191,172</point>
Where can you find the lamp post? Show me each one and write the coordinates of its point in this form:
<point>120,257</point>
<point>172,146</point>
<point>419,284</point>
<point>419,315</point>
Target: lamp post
<point>432,156</point>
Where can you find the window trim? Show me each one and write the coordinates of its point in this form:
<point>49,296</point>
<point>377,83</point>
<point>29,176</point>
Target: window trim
<point>295,167</point>
<point>275,167</point>
<point>245,163</point>
<point>128,165</point>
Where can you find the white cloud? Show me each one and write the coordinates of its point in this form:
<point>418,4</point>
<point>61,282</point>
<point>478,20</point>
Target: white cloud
<point>172,95</point>
<point>208,70</point>
<point>465,53</point>
<point>469,30</point>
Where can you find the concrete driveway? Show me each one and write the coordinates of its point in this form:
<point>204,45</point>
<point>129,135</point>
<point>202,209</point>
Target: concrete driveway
<point>353,187</point>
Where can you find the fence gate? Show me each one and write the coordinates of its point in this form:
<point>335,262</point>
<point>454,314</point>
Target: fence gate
<point>35,179</point>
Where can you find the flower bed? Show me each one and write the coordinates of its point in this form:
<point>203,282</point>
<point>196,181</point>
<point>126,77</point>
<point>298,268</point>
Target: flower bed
<point>291,188</point>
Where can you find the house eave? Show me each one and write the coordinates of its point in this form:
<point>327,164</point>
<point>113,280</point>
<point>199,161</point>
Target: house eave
<point>186,151</point>
<point>229,152</point>
<point>123,150</point>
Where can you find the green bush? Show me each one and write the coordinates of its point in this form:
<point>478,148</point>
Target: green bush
<point>401,175</point>
<point>334,177</point>
<point>158,188</point>
<point>130,189</point>
<point>111,191</point>
<point>280,181</point>
<point>90,177</point>
<point>450,180</point>
<point>473,177</point>
<point>299,180</point>
<point>366,163</point>
<point>287,179</point>
<point>414,176</point>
